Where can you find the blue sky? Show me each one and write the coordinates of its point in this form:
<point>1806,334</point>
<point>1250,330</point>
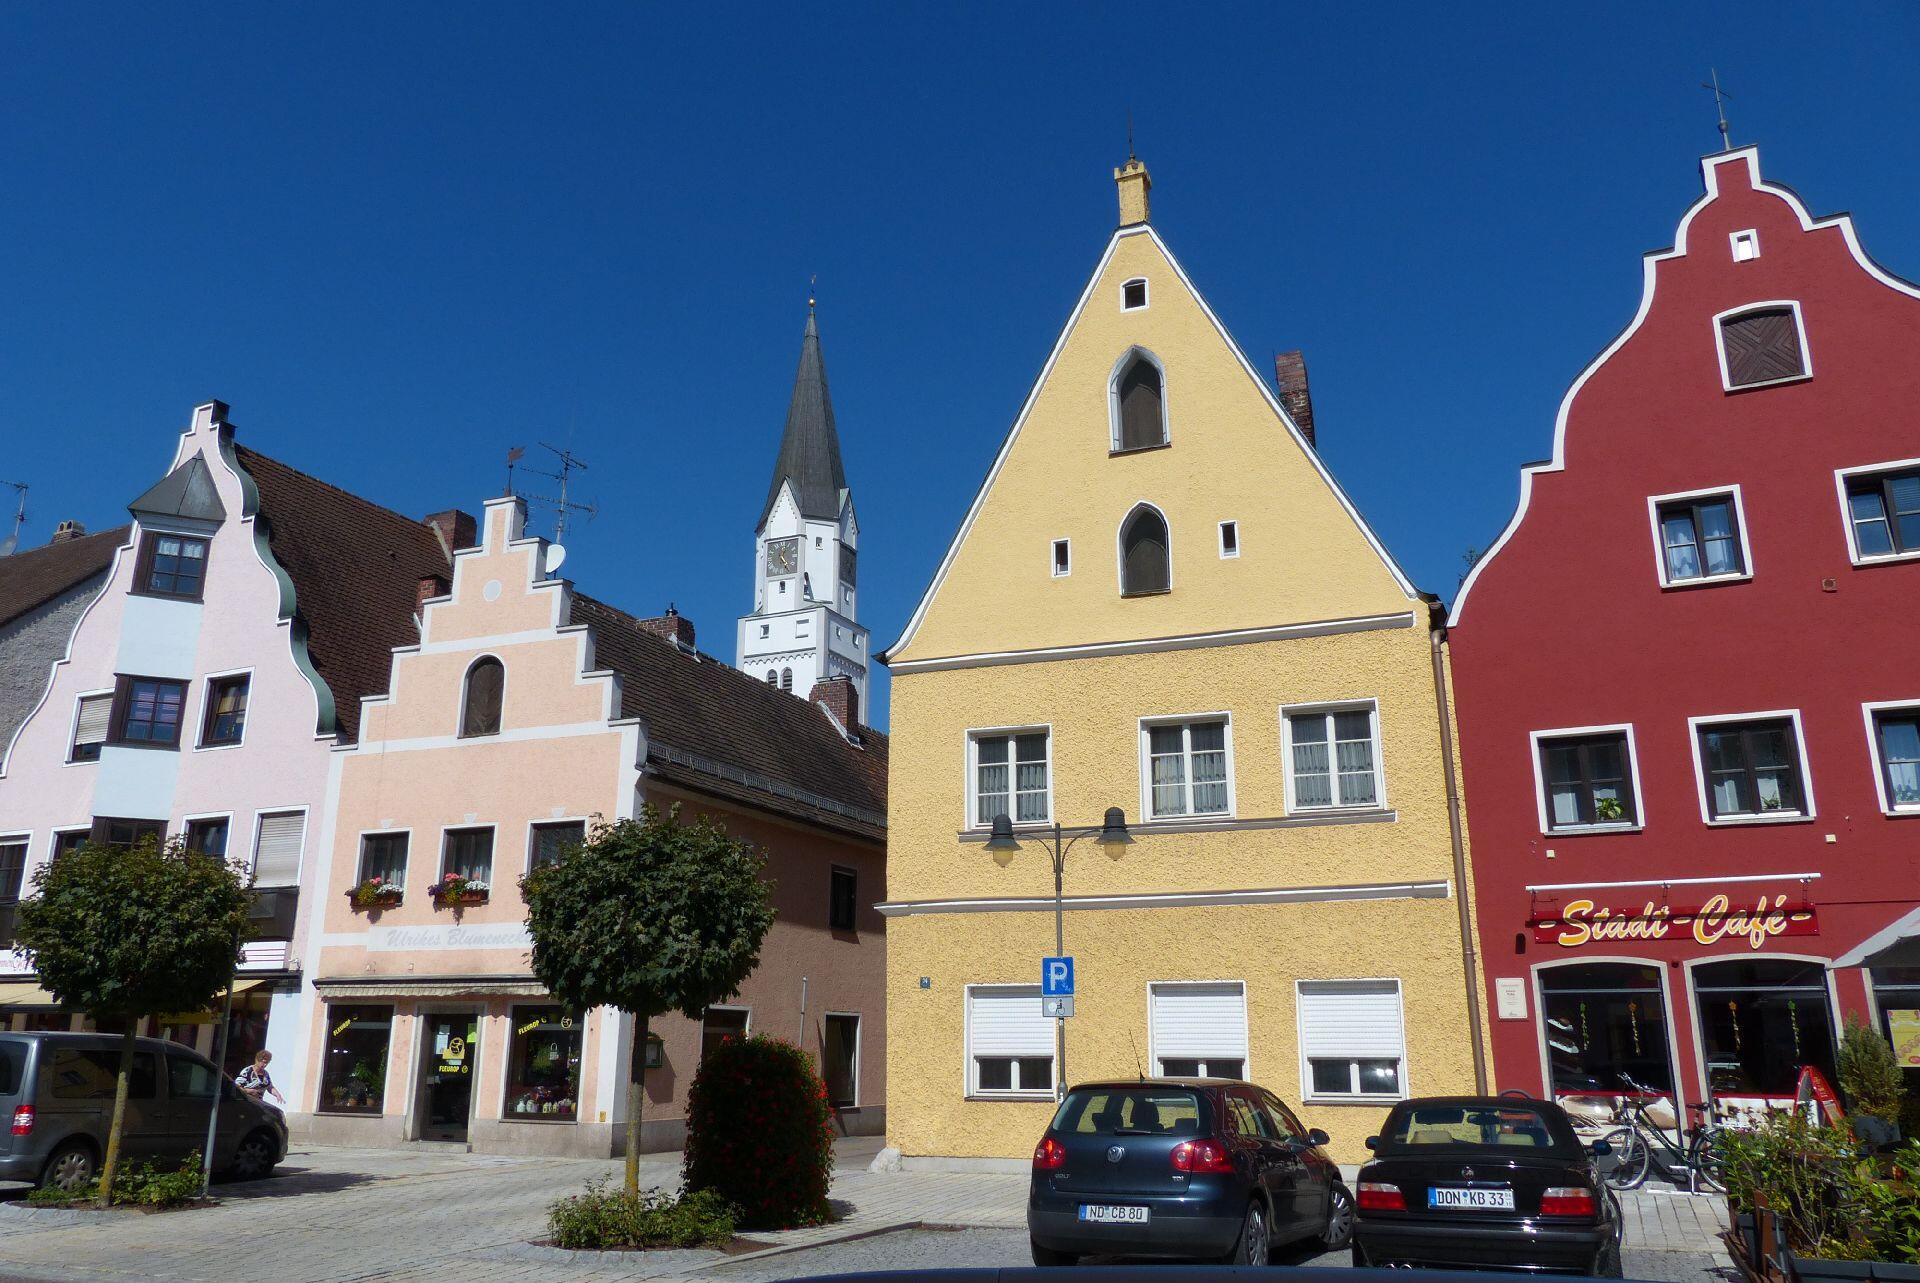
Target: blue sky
<point>399,239</point>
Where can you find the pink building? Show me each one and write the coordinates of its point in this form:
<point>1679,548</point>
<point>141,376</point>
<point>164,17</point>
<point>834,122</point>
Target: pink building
<point>248,611</point>
<point>525,713</point>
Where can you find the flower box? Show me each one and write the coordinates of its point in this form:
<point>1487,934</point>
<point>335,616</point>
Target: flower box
<point>373,901</point>
<point>454,899</point>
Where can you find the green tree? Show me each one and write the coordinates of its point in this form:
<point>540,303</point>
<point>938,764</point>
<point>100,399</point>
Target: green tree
<point>122,933</point>
<point>1869,1072</point>
<point>649,916</point>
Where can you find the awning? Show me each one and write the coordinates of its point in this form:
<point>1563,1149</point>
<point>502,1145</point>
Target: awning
<point>1896,946</point>
<point>25,993</point>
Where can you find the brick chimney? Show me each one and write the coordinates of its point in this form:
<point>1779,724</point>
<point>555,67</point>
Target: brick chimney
<point>840,698</point>
<point>672,626</point>
<point>1290,373</point>
<point>455,528</point>
<point>67,531</point>
<point>430,586</point>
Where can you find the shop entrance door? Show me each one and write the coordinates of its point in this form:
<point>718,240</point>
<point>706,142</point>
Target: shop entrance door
<point>452,1046</point>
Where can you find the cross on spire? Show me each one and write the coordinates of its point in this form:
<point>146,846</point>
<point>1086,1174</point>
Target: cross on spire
<point>1720,97</point>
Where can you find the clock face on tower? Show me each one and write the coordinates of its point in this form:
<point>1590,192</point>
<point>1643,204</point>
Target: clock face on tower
<point>783,556</point>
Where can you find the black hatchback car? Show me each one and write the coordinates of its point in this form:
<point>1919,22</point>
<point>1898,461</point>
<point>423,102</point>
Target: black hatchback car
<point>1485,1182</point>
<point>1180,1167</point>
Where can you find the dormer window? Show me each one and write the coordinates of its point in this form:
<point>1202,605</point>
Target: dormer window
<point>1762,345</point>
<point>170,566</point>
<point>481,700</point>
<point>1139,404</point>
<point>1145,566</point>
<point>1133,294</point>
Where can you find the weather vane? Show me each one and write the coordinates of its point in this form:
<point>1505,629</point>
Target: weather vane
<point>1720,97</point>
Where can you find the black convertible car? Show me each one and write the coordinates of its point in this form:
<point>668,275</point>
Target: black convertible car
<point>1479,1182</point>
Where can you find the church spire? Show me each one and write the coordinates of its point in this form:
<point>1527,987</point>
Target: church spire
<point>810,447</point>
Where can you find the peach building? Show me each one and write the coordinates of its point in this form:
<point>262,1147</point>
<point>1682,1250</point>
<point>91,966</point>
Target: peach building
<point>525,713</point>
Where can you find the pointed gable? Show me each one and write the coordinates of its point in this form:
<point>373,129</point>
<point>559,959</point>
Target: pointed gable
<point>810,447</point>
<point>186,492</point>
<point>1066,472</point>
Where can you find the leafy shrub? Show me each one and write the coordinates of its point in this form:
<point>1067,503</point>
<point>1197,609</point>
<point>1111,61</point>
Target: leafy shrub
<point>145,1186</point>
<point>1832,1201</point>
<point>602,1219</point>
<point>1869,1072</point>
<point>760,1132</point>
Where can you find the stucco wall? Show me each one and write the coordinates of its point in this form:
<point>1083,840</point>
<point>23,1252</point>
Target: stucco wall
<point>28,647</point>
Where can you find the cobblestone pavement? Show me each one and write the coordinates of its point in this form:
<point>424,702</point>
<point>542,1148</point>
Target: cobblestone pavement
<point>445,1215</point>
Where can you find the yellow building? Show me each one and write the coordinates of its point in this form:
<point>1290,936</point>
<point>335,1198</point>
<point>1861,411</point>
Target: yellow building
<point>1162,601</point>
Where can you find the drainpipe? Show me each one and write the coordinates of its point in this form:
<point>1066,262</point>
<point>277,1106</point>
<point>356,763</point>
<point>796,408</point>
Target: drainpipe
<point>1469,958</point>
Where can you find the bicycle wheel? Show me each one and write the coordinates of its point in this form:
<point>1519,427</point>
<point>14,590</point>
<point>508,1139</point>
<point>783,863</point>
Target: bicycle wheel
<point>1709,1160</point>
<point>1631,1158</point>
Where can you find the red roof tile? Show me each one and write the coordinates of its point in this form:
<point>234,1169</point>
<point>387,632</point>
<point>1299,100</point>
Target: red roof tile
<point>31,579</point>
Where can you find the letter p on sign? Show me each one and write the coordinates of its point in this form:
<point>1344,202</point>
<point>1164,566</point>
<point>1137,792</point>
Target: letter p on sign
<point>1056,977</point>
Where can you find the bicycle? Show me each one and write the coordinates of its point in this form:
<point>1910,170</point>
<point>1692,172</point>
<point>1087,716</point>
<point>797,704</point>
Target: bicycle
<point>1636,1138</point>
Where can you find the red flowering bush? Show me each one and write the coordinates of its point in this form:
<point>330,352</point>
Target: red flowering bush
<point>760,1133</point>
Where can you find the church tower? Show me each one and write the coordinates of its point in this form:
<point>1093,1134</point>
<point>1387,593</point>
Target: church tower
<point>804,627</point>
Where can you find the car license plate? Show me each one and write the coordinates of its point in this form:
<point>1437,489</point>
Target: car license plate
<point>1105,1214</point>
<point>1472,1200</point>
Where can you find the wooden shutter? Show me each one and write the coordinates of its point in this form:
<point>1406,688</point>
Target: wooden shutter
<point>1145,569</point>
<point>1761,347</point>
<point>1141,421</point>
<point>1199,1021</point>
<point>276,851</point>
<point>481,713</point>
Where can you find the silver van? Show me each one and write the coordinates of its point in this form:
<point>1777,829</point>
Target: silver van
<point>56,1091</point>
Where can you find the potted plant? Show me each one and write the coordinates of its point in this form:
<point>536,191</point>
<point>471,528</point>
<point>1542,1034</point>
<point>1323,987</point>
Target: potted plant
<point>455,890</point>
<point>1609,810</point>
<point>1870,1080</point>
<point>375,893</point>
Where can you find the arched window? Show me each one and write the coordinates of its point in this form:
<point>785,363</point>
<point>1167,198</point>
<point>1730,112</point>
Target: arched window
<point>773,677</point>
<point>480,701</point>
<point>1144,563</point>
<point>786,679</point>
<point>1139,403</point>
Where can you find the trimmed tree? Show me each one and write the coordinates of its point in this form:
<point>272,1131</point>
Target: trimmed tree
<point>760,1133</point>
<point>123,933</point>
<point>648,916</point>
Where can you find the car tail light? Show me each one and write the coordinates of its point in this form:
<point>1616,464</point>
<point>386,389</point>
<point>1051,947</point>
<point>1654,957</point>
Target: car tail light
<point>1049,1155</point>
<point>1567,1200</point>
<point>23,1120</point>
<point>1201,1156</point>
<point>1378,1196</point>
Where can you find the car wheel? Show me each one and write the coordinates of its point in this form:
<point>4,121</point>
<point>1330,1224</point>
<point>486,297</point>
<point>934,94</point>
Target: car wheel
<point>254,1158</point>
<point>70,1167</point>
<point>1256,1242</point>
<point>1047,1256</point>
<point>1339,1219</point>
<point>1631,1159</point>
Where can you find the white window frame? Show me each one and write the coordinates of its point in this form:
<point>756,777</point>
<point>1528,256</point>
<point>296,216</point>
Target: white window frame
<point>447,831</point>
<point>1371,707</point>
<point>1867,712</point>
<point>62,830</point>
<point>206,699</point>
<point>1246,1029</point>
<point>1740,524</point>
<point>1226,553</point>
<point>1120,547</point>
<point>534,826</point>
<point>200,817</point>
<point>1720,346</point>
<point>971,756</point>
<point>1537,739</point>
<point>969,1071</point>
<point>1061,566</point>
<point>1308,1096</point>
<point>360,854</point>
<point>746,1030</point>
<point>1694,725</point>
<point>1747,239</point>
<point>1840,478</point>
<point>22,838</point>
<point>1146,765</point>
<point>1146,296</point>
<point>73,726</point>
<point>1113,404</point>
<point>306,837</point>
<point>859,1041</point>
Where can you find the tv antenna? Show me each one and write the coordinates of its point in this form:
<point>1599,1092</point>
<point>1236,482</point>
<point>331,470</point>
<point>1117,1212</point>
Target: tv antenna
<point>1720,97</point>
<point>12,541</point>
<point>561,505</point>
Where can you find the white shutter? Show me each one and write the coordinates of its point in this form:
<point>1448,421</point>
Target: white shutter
<point>1005,1020</point>
<point>95,713</point>
<point>1351,1019</point>
<point>276,851</point>
<point>1199,1021</point>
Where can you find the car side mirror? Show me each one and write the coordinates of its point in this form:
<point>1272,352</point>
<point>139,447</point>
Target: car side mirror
<point>1601,1149</point>
<point>1318,1137</point>
<point>1373,1142</point>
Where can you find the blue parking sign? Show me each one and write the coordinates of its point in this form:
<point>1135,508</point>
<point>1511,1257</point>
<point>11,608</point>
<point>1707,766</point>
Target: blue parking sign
<point>1056,977</point>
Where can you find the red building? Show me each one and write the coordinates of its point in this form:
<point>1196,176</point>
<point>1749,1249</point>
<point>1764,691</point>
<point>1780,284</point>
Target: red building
<point>1688,677</point>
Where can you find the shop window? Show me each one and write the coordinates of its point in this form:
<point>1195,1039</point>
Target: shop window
<point>1009,1042</point>
<point>1187,769</point>
<point>549,840</point>
<point>1352,1043</point>
<point>843,895</point>
<point>171,566</point>
<point>1586,780</point>
<point>1760,1020</point>
<point>353,1076</point>
<point>1752,769</point>
<point>480,700</point>
<point>1330,758</point>
<point>722,1024</point>
<point>543,1066</point>
<point>1012,776</point>
<point>226,713</point>
<point>1199,1030</point>
<point>1896,995</point>
<point>1606,1030</point>
<point>840,1060</point>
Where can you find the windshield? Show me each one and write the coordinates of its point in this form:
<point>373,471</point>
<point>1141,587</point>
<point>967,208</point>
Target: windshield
<point>1129,1111</point>
<point>1515,1127</point>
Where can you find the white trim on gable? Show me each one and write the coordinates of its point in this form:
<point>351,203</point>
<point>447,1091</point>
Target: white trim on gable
<point>1046,371</point>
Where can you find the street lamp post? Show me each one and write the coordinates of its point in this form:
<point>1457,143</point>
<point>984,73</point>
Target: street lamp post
<point>1111,834</point>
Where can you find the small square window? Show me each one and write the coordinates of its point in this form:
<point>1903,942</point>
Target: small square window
<point>549,840</point>
<point>1229,539</point>
<point>208,837</point>
<point>226,712</point>
<point>1701,539</point>
<point>69,840</point>
<point>170,566</point>
<point>91,724</point>
<point>1883,513</point>
<point>1133,294</point>
<point>1062,558</point>
<point>766,629</point>
<point>1746,246</point>
<point>147,711</point>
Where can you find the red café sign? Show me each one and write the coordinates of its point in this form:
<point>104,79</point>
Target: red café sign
<point>1584,922</point>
